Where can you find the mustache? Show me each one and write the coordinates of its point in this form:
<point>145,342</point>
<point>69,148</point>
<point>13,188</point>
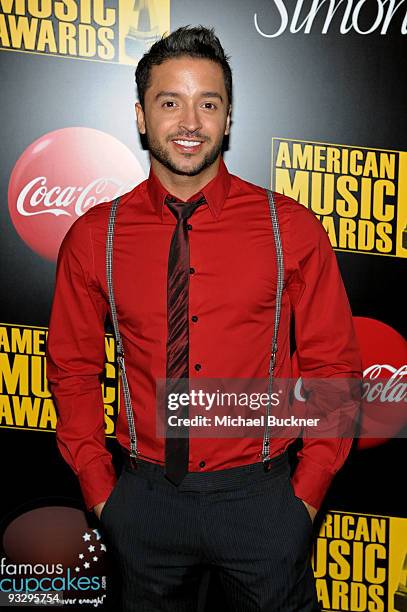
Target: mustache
<point>190,136</point>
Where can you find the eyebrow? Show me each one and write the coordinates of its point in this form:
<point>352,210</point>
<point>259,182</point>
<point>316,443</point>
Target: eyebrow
<point>174,94</point>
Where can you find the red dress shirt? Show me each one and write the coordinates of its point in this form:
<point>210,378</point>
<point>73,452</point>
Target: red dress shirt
<point>232,292</point>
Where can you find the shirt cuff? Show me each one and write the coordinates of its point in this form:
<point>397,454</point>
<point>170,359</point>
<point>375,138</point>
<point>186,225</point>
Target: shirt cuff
<point>97,480</point>
<point>311,482</point>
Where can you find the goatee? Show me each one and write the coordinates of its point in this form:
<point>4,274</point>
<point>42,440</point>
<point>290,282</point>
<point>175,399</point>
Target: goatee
<point>163,156</point>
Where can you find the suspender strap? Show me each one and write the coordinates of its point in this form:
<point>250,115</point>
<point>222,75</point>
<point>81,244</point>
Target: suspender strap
<point>279,293</point>
<point>119,344</point>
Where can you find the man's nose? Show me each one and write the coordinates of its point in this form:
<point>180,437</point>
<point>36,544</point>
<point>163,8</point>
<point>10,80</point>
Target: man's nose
<point>190,119</point>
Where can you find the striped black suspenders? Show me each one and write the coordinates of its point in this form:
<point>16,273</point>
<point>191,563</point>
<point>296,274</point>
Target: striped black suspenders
<point>118,339</point>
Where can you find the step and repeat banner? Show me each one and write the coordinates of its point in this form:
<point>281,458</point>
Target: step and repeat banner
<point>320,115</point>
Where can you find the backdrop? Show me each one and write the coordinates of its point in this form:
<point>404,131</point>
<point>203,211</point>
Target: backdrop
<point>319,114</point>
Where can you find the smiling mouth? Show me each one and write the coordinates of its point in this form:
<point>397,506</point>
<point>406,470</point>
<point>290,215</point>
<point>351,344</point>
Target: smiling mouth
<point>190,146</point>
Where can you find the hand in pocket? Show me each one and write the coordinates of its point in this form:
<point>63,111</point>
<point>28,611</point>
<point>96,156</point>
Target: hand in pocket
<point>98,509</point>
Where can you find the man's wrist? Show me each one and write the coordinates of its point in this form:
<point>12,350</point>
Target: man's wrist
<point>98,508</point>
<point>311,510</point>
<point>97,481</point>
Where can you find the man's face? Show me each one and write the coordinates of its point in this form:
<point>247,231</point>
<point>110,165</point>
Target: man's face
<point>186,101</point>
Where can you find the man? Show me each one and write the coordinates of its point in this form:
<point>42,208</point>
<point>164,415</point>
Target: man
<point>196,297</point>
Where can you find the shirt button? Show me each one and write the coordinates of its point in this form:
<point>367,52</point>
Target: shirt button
<point>192,270</point>
<point>202,464</point>
<point>189,226</point>
<point>194,318</point>
<point>197,366</point>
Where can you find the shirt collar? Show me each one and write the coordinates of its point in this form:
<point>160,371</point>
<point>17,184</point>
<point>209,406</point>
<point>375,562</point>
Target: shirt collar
<point>215,191</point>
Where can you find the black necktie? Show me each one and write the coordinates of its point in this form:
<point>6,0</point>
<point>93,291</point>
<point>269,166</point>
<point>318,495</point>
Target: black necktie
<point>177,437</point>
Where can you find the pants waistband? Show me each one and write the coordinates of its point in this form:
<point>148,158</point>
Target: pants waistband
<point>216,479</point>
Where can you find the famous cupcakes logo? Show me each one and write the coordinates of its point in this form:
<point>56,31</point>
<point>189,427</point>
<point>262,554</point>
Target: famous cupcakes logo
<point>60,176</point>
<point>50,555</point>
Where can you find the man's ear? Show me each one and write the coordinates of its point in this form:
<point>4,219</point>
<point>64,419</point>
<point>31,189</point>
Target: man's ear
<point>141,124</point>
<point>228,120</point>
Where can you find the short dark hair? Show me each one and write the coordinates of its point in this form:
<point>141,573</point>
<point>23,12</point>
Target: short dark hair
<point>193,41</point>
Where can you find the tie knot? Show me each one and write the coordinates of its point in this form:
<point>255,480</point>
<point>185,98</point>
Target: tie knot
<point>183,210</point>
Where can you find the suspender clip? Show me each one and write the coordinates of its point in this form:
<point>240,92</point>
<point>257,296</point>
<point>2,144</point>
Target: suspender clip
<point>267,464</point>
<point>133,457</point>
<point>133,461</point>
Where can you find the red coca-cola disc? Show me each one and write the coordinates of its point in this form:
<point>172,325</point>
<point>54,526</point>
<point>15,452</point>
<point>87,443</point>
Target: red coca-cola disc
<point>61,175</point>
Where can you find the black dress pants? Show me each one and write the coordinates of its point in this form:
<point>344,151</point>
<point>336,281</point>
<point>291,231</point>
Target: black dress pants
<point>243,523</point>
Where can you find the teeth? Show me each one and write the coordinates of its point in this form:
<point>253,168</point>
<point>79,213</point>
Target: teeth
<point>187,143</point>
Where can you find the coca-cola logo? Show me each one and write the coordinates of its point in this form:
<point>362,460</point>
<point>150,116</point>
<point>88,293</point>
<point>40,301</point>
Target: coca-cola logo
<point>384,360</point>
<point>60,176</point>
<point>383,409</point>
<point>393,389</point>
